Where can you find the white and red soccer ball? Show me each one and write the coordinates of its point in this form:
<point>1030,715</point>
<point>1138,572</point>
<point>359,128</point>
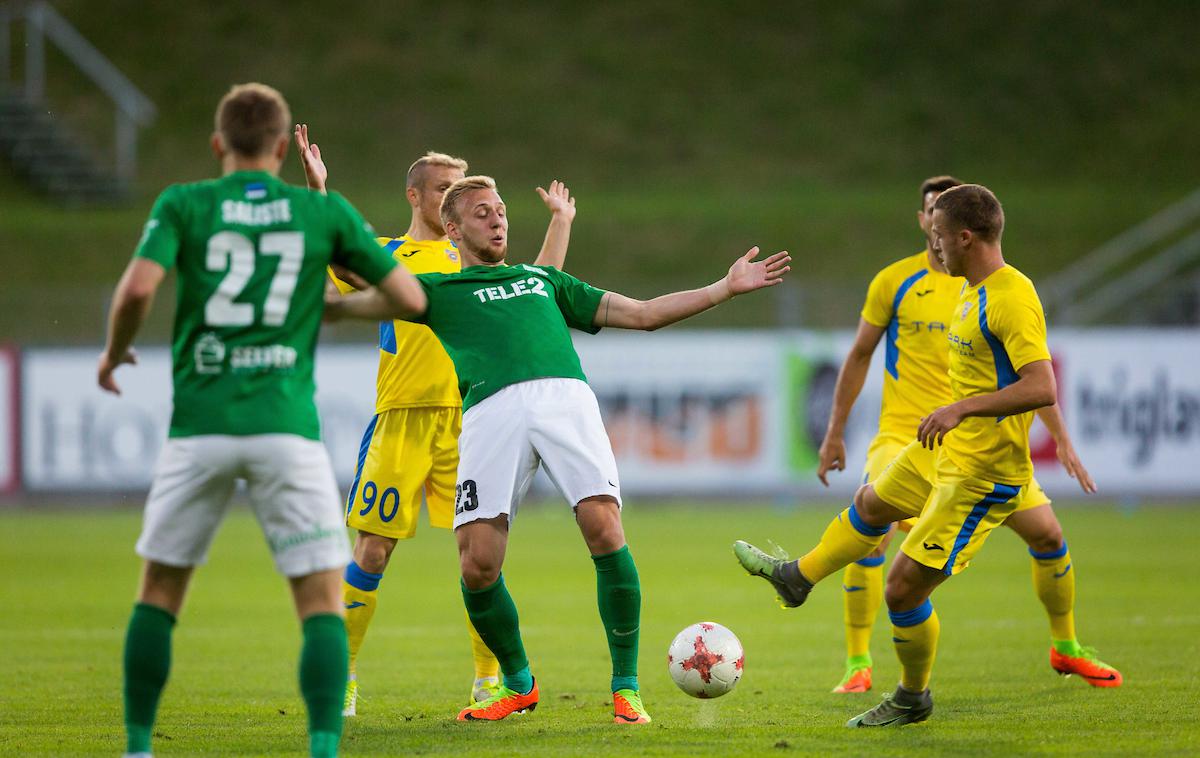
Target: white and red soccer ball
<point>706,660</point>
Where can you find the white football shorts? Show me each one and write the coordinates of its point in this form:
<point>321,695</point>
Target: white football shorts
<point>555,422</point>
<point>292,490</point>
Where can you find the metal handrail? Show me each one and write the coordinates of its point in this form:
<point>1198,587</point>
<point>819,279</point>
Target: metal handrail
<point>133,108</point>
<point>1078,282</point>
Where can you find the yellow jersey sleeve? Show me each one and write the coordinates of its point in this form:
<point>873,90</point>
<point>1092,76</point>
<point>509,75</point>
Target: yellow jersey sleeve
<point>877,310</point>
<point>1018,323</point>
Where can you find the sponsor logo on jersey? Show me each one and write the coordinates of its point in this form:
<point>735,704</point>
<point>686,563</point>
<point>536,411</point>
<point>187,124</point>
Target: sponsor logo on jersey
<point>530,286</point>
<point>208,356</point>
<point>452,255</point>
<point>256,191</point>
<point>263,358</point>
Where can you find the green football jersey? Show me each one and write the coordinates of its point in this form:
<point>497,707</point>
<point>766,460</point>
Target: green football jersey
<point>251,253</point>
<point>507,324</point>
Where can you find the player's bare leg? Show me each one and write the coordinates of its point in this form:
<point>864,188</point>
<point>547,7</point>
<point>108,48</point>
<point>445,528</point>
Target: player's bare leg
<point>481,548</point>
<point>1054,581</point>
<point>915,631</point>
<point>619,596</point>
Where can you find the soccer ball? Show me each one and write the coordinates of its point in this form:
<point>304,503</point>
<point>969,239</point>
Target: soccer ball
<point>706,660</point>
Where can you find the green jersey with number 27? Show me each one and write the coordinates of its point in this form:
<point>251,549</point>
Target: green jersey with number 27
<point>507,324</point>
<point>251,253</point>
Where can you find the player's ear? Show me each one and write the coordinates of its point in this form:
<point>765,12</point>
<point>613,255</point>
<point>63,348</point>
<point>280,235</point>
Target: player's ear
<point>282,148</point>
<point>414,197</point>
<point>217,143</point>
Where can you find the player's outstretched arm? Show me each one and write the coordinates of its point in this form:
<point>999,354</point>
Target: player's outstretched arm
<point>131,302</point>
<point>1035,388</point>
<point>1064,449</point>
<point>745,275</point>
<point>852,375</point>
<point>315,172</point>
<point>558,234</point>
<point>397,295</point>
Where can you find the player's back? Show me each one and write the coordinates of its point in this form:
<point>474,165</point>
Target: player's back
<point>251,252</point>
<point>913,302</point>
<point>997,329</point>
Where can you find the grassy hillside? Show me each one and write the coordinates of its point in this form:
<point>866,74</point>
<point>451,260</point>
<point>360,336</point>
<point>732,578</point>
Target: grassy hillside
<point>688,131</point>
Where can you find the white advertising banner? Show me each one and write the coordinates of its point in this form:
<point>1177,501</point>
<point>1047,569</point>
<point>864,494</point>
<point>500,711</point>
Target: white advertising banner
<point>719,413</point>
<point>10,421</point>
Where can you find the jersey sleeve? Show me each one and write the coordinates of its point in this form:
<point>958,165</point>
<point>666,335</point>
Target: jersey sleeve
<point>1021,327</point>
<point>877,310</point>
<point>162,235</point>
<point>428,283</point>
<point>355,246</point>
<point>577,300</point>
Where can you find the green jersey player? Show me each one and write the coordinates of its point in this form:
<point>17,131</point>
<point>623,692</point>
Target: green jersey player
<point>526,401</point>
<point>250,254</point>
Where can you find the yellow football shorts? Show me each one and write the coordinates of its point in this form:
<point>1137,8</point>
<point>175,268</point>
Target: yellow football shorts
<point>886,448</point>
<point>956,511</point>
<point>405,453</point>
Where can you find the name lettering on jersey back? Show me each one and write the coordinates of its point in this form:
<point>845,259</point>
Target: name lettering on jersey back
<point>256,214</point>
<point>530,286</point>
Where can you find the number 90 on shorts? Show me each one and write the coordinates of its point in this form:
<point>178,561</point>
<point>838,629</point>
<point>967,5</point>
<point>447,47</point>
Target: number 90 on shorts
<point>408,455</point>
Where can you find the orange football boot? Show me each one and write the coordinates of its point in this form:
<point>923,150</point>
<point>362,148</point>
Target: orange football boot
<point>501,705</point>
<point>1086,665</point>
<point>628,708</point>
<point>857,679</point>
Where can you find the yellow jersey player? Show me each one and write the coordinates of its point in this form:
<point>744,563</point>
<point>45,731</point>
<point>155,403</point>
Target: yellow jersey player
<point>999,374</point>
<point>410,447</point>
<point>910,304</point>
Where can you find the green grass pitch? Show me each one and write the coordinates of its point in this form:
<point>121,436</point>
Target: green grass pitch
<point>67,580</point>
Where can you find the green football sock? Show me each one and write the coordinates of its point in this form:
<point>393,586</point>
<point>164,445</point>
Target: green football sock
<point>619,595</point>
<point>147,663</point>
<point>494,616</point>
<point>324,665</point>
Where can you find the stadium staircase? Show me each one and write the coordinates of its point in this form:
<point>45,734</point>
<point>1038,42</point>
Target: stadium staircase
<point>1149,274</point>
<point>51,160</point>
<point>36,144</point>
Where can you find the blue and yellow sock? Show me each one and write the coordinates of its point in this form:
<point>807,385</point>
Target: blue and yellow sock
<point>847,539</point>
<point>862,592</point>
<point>915,634</point>
<point>360,595</point>
<point>1054,582</point>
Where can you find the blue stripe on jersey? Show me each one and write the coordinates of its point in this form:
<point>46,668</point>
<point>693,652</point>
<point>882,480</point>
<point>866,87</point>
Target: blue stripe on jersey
<point>362,460</point>
<point>393,244</point>
<point>891,353</point>
<point>387,337</point>
<point>1001,493</point>
<point>1005,374</point>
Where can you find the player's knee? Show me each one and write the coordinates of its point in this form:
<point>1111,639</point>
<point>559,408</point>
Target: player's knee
<point>479,571</point>
<point>372,552</point>
<point>900,593</point>
<point>867,504</point>
<point>1047,539</point>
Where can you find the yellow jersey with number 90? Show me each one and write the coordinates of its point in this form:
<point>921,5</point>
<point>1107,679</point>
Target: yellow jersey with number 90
<point>414,370</point>
<point>997,329</point>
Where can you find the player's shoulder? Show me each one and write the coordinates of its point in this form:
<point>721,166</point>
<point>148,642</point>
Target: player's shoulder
<point>893,275</point>
<point>1012,281</point>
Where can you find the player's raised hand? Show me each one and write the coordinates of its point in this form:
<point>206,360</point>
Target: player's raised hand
<point>558,199</point>
<point>830,457</point>
<point>108,365</point>
<point>1070,461</point>
<point>315,172</point>
<point>937,425</point>
<point>747,274</point>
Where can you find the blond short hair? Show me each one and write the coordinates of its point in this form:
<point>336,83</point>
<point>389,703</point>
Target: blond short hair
<point>251,118</point>
<point>449,209</point>
<point>416,172</point>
